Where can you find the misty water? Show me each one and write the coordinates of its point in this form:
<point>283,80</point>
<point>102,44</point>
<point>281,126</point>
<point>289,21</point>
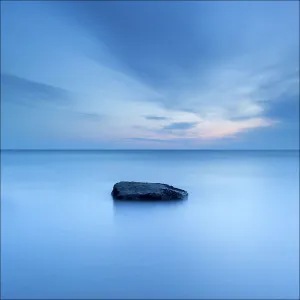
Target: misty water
<point>236,236</point>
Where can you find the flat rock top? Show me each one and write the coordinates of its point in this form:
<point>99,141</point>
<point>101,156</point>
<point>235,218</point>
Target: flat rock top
<point>130,190</point>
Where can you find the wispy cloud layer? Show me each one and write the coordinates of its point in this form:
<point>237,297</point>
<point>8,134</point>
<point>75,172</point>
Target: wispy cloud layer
<point>22,90</point>
<point>106,72</point>
<point>156,118</point>
<point>180,126</point>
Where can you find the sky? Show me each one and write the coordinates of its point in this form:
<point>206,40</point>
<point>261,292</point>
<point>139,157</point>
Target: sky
<point>150,75</point>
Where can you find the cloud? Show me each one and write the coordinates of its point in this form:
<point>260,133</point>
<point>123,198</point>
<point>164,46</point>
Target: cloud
<point>24,91</point>
<point>90,116</point>
<point>210,68</point>
<point>146,49</point>
<point>203,71</point>
<point>287,110</point>
<point>180,126</point>
<point>34,112</point>
<point>226,128</point>
<point>156,118</point>
<point>206,130</point>
<point>207,35</point>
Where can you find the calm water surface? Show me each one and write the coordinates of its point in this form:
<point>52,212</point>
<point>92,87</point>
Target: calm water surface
<point>237,235</point>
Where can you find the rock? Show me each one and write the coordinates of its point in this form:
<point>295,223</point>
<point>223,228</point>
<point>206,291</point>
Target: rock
<point>130,190</point>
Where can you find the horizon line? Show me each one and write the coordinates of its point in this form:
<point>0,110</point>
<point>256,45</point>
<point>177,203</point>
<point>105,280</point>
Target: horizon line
<point>98,150</point>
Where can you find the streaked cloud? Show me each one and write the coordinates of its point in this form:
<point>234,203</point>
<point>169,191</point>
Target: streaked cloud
<point>22,90</point>
<point>203,72</point>
<point>156,118</point>
<point>180,126</point>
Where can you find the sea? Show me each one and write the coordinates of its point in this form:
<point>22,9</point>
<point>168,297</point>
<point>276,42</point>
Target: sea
<point>235,237</point>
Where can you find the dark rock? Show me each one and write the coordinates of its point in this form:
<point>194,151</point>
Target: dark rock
<point>130,190</point>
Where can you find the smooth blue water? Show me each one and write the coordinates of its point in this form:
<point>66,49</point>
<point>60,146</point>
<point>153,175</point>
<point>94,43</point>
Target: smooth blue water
<point>237,236</point>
